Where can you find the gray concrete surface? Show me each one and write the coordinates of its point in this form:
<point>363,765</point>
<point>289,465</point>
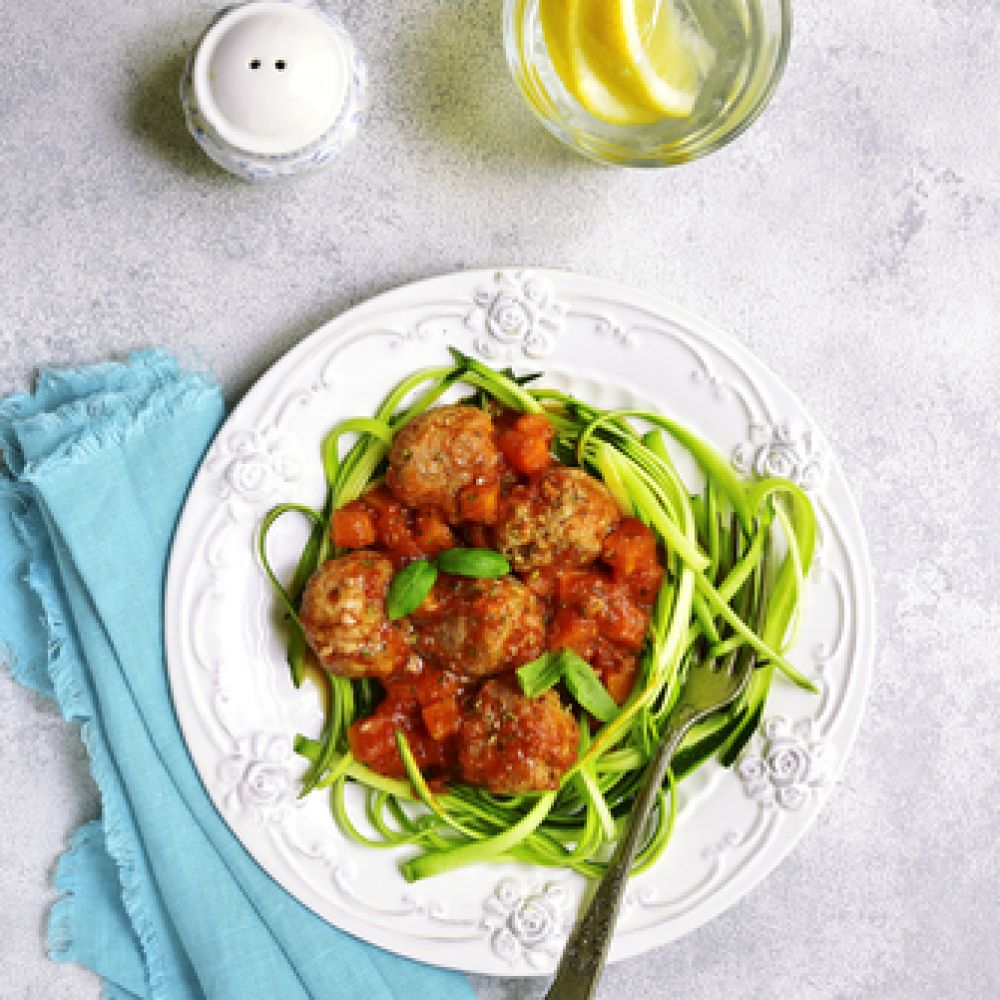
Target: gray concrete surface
<point>851,239</point>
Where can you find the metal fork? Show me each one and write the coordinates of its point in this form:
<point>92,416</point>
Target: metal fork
<point>709,688</point>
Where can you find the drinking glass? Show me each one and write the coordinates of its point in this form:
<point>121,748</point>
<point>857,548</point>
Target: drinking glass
<point>748,40</point>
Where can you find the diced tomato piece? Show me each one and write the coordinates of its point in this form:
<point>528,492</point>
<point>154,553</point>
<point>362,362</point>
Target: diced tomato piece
<point>630,545</point>
<point>630,551</point>
<point>373,739</point>
<point>542,581</point>
<point>618,668</point>
<point>479,503</point>
<point>442,718</point>
<point>620,682</point>
<point>379,499</point>
<point>644,582</point>
<point>431,533</point>
<point>353,527</point>
<point>392,526</point>
<point>570,631</point>
<point>526,444</point>
<point>435,685</point>
<point>621,619</point>
<point>576,586</point>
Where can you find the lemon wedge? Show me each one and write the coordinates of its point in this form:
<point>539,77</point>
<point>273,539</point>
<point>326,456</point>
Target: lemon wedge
<point>560,20</point>
<point>628,62</point>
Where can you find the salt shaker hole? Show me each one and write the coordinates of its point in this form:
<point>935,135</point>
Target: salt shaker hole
<point>280,64</point>
<point>255,64</point>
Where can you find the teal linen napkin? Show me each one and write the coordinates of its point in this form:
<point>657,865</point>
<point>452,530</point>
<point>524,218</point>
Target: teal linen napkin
<point>159,898</point>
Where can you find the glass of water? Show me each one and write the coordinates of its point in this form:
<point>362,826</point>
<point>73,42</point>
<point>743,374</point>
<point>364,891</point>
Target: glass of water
<point>646,82</point>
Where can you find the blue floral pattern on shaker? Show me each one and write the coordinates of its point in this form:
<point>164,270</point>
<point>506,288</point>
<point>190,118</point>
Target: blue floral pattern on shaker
<point>261,166</point>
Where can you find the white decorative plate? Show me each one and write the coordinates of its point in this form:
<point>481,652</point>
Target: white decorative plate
<point>236,704</point>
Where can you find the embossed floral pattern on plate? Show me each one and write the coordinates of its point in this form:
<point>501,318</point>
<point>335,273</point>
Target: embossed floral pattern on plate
<point>238,710</point>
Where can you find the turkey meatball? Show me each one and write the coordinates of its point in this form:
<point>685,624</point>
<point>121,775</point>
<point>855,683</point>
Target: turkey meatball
<point>511,743</point>
<point>563,519</point>
<point>439,453</point>
<point>476,628</point>
<point>343,616</point>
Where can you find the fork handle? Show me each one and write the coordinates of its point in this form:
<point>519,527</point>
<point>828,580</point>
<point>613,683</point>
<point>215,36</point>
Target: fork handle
<point>586,949</point>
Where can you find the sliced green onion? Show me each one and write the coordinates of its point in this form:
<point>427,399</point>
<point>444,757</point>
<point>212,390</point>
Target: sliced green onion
<point>586,687</point>
<point>540,674</point>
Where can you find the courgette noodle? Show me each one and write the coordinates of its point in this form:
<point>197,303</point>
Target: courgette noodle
<point>734,539</point>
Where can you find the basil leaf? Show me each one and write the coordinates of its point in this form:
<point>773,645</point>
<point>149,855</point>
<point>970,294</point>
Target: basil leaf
<point>408,588</point>
<point>540,674</point>
<point>479,563</point>
<point>586,687</point>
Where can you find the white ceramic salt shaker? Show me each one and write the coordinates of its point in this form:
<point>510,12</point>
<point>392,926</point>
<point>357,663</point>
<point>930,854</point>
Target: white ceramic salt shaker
<point>273,88</point>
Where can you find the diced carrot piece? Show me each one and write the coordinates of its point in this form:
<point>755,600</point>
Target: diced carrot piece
<point>373,742</point>
<point>353,527</point>
<point>644,582</point>
<point>393,530</point>
<point>373,739</point>
<point>437,685</point>
<point>527,455</point>
<point>479,503</point>
<point>380,498</point>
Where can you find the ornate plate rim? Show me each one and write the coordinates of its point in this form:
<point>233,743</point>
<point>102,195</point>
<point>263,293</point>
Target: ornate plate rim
<point>518,313</point>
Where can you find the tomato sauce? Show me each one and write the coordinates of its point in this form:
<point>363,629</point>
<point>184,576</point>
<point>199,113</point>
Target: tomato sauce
<point>601,611</point>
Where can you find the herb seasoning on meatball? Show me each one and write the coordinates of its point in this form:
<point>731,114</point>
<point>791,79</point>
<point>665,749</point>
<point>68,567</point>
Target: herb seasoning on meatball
<point>481,627</point>
<point>440,453</point>
<point>562,518</point>
<point>512,743</point>
<point>582,579</point>
<point>344,619</point>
